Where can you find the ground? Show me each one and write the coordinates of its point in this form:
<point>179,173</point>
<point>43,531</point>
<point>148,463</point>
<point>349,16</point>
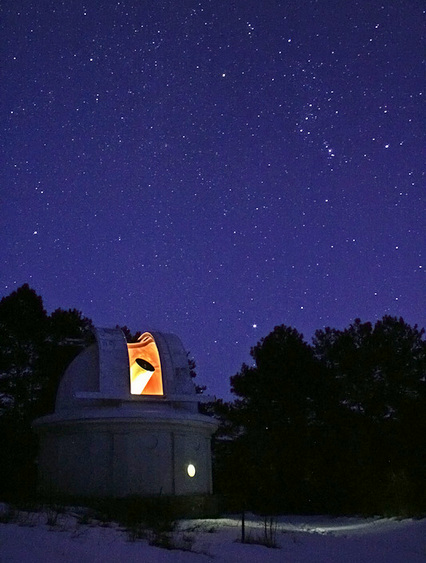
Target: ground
<point>49,536</point>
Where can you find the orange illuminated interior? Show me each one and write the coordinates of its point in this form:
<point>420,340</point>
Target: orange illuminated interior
<point>145,367</point>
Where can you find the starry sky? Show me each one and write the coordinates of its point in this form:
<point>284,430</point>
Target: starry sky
<point>214,168</point>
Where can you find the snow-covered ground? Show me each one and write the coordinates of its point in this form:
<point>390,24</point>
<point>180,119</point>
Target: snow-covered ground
<point>69,538</point>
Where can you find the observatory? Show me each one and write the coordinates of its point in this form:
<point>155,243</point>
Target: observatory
<point>126,422</point>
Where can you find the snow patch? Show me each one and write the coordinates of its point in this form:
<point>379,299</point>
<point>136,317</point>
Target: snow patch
<point>71,537</point>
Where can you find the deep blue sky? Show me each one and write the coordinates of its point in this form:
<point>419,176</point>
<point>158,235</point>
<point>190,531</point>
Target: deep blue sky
<point>214,168</point>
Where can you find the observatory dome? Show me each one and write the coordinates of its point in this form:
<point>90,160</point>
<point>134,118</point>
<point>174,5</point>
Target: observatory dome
<point>126,422</point>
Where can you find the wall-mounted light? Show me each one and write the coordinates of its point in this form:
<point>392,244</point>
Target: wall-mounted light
<point>191,470</point>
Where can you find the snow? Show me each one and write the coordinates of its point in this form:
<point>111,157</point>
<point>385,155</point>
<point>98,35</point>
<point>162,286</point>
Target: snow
<point>67,538</point>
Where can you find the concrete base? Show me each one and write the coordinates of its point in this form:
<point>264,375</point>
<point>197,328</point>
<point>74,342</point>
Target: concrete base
<point>120,457</point>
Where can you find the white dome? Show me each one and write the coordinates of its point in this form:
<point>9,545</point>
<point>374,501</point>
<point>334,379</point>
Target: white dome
<point>102,373</point>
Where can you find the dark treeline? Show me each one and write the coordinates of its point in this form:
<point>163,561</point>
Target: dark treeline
<point>338,426</point>
<point>35,348</point>
<point>335,426</point>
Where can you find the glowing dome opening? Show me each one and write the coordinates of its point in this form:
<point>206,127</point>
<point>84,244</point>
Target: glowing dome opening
<point>145,367</point>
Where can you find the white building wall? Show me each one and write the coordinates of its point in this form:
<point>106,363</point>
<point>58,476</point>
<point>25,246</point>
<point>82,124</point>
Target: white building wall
<point>103,458</point>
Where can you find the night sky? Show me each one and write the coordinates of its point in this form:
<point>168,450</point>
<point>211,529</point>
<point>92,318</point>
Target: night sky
<point>214,168</point>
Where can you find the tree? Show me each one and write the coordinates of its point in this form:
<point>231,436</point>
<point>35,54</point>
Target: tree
<point>379,434</point>
<point>35,348</point>
<point>130,337</point>
<point>335,426</point>
<point>273,419</point>
<point>199,389</point>
<point>23,329</point>
<point>379,368</point>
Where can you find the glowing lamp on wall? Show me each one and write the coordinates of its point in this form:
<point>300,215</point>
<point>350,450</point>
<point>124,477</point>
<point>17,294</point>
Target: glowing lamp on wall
<point>190,469</point>
<point>145,367</point>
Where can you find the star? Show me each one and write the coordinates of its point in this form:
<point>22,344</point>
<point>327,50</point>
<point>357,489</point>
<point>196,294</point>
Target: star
<point>167,198</point>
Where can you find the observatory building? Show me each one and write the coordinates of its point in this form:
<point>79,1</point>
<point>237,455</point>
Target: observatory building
<point>126,422</point>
